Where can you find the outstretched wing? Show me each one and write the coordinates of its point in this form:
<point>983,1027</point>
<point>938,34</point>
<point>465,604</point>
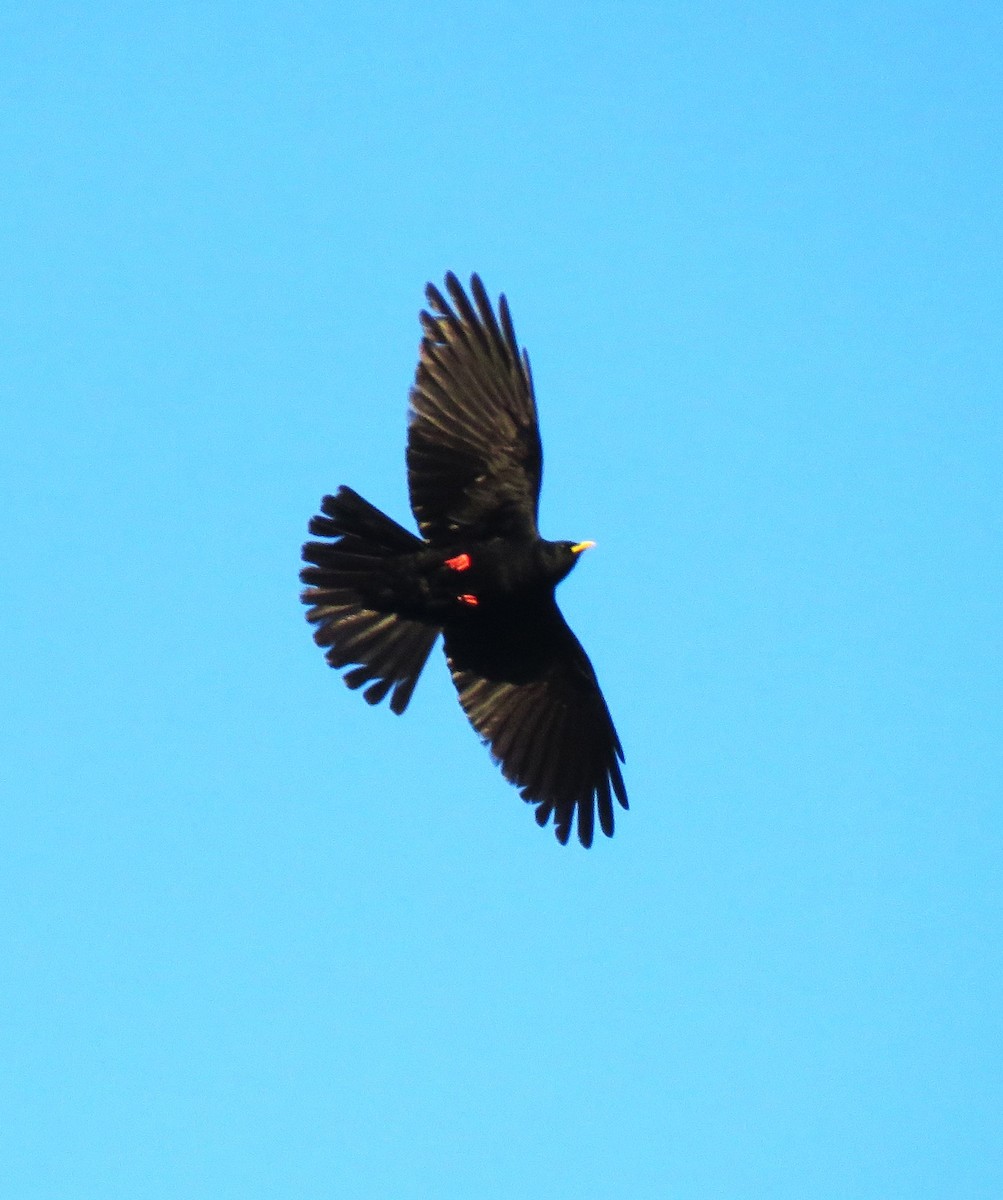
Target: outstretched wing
<point>535,701</point>
<point>474,460</point>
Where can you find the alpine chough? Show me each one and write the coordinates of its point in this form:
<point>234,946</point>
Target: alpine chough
<point>479,574</point>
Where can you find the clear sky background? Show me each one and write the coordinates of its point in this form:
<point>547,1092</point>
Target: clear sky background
<point>260,940</point>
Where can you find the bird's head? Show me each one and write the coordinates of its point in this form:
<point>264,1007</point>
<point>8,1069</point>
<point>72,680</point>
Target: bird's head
<point>564,556</point>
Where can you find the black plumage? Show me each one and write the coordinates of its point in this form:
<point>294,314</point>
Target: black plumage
<point>480,574</point>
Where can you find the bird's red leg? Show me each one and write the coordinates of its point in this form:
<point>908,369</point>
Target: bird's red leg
<point>460,563</point>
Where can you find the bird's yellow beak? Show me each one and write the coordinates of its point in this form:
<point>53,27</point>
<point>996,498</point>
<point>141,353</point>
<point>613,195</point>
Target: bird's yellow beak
<point>578,547</point>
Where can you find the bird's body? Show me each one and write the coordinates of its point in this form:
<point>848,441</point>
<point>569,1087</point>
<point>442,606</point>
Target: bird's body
<point>480,574</point>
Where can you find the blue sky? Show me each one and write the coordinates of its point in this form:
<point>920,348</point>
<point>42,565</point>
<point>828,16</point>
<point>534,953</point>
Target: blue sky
<point>261,940</point>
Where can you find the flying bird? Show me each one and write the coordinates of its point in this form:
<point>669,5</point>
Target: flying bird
<point>480,574</point>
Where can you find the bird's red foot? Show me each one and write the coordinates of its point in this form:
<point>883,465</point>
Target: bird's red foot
<point>469,599</point>
<point>460,563</point>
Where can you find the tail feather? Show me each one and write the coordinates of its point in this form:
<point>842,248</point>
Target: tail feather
<point>348,516</point>
<point>350,591</point>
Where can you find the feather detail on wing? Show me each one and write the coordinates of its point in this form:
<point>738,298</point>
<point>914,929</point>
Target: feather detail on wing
<point>473,454</point>
<point>540,711</point>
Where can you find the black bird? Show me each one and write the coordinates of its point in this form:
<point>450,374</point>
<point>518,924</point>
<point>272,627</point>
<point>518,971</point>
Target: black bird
<point>480,574</point>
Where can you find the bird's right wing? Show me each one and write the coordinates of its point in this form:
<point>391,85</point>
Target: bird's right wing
<point>473,450</point>
<point>534,699</point>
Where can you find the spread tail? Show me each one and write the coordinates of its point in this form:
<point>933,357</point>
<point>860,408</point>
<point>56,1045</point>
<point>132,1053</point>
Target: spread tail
<point>351,596</point>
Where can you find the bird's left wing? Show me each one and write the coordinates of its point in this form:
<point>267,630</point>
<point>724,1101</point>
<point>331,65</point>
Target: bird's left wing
<point>532,695</point>
<point>474,460</point>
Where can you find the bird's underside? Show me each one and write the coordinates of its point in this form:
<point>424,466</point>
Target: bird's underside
<point>480,574</point>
